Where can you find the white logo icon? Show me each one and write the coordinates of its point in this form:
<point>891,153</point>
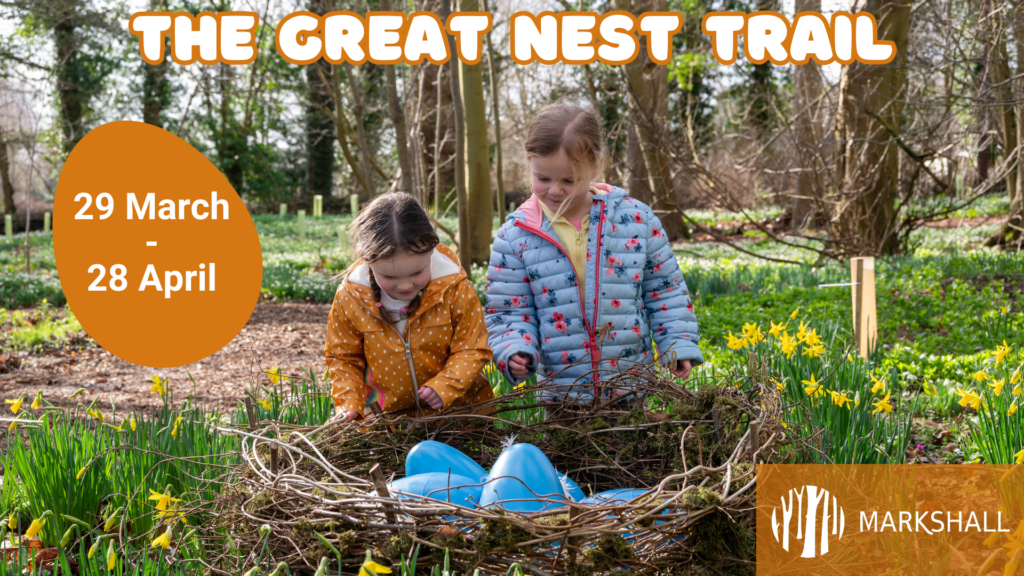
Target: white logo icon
<point>807,520</point>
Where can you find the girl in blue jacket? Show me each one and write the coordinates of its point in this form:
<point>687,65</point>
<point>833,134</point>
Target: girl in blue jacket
<point>582,276</point>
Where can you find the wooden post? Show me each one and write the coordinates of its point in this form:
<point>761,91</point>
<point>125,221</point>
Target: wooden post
<point>46,222</point>
<point>353,200</point>
<point>302,224</point>
<point>283,210</point>
<point>318,206</point>
<point>865,319</point>
<point>273,458</point>
<point>250,413</point>
<point>382,490</point>
<point>9,226</point>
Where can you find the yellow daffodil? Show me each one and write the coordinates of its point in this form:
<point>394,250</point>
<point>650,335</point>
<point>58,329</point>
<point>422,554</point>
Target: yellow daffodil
<point>34,528</point>
<point>81,473</point>
<point>1004,309</point>
<point>163,540</point>
<point>275,375</point>
<point>878,384</point>
<point>1002,352</point>
<point>882,404</point>
<point>776,329</point>
<point>780,385</point>
<point>12,522</point>
<point>1016,376</point>
<point>838,398</point>
<point>174,431</point>
<point>968,398</point>
<point>38,402</point>
<point>735,343</point>
<point>992,541</point>
<point>997,386</point>
<point>813,388</point>
<point>92,550</point>
<point>1019,457</point>
<point>1017,390</point>
<point>812,338</point>
<point>16,404</point>
<point>111,556</point>
<point>162,500</point>
<point>856,399</point>
<point>813,351</point>
<point>795,312</point>
<point>788,345</point>
<point>267,404</point>
<point>131,421</point>
<point>158,386</point>
<point>371,568</point>
<point>11,427</point>
<point>753,333</point>
<point>95,414</point>
<point>801,332</point>
<point>981,375</point>
<point>1012,409</point>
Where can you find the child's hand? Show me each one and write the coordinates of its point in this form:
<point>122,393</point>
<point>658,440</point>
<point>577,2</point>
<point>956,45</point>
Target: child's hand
<point>428,395</point>
<point>519,365</point>
<point>679,369</point>
<point>348,416</point>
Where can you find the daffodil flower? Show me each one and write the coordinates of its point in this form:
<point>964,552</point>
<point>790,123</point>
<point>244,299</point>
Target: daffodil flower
<point>981,375</point>
<point>813,388</point>
<point>158,386</point>
<point>882,404</point>
<point>38,524</point>
<point>132,422</point>
<point>174,431</point>
<point>12,521</point>
<point>275,375</point>
<point>812,351</point>
<point>968,398</point>
<point>795,312</point>
<point>1019,457</point>
<point>11,427</point>
<point>856,399</point>
<point>1016,376</point>
<point>1012,410</point>
<point>16,404</point>
<point>735,343</point>
<point>1017,390</point>
<point>839,398</point>
<point>267,404</point>
<point>776,329</point>
<point>1001,352</point>
<point>111,556</point>
<point>163,540</point>
<point>371,568</point>
<point>879,384</point>
<point>997,386</point>
<point>788,345</point>
<point>81,473</point>
<point>162,500</point>
<point>95,414</point>
<point>753,332</point>
<point>38,402</point>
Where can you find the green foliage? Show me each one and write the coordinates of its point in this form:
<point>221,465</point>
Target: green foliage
<point>42,327</point>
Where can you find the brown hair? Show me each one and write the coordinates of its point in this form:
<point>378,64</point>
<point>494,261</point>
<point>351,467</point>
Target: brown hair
<point>567,127</point>
<point>389,225</point>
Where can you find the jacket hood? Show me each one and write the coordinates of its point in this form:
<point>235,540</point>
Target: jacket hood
<point>445,272</point>
<point>532,214</point>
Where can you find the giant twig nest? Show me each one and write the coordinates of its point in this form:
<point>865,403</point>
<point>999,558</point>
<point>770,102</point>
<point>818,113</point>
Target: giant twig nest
<point>692,450</point>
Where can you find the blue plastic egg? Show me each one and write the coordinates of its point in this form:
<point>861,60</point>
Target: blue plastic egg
<point>572,490</point>
<point>430,456</point>
<point>452,488</point>
<point>523,480</point>
<point>611,497</point>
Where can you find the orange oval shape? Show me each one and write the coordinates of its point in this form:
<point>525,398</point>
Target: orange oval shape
<point>157,254</point>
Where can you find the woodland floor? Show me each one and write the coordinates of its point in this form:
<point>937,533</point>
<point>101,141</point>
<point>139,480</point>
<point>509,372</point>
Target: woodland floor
<point>288,335</point>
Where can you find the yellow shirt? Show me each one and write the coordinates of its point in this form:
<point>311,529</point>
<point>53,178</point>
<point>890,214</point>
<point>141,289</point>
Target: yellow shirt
<point>574,241</point>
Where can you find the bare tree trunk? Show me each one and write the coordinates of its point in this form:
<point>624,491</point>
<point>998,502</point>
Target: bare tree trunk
<point>342,127</point>
<point>492,71</point>
<point>5,176</point>
<point>365,163</point>
<point>480,200</point>
<point>398,119</point>
<point>73,100</point>
<point>437,142</point>
<point>808,90</point>
<point>870,108</point>
<point>320,132</point>
<point>155,91</point>
<point>465,253</point>
<point>648,113</point>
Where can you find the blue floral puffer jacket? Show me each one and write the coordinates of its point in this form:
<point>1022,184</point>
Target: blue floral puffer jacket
<point>634,290</point>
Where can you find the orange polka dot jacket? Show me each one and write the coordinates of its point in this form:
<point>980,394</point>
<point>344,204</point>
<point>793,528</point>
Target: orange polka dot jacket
<point>444,345</point>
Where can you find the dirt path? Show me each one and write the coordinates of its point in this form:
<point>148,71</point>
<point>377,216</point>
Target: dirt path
<point>289,335</point>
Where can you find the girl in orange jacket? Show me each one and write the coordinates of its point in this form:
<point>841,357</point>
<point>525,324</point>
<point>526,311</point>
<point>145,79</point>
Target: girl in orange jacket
<point>406,329</point>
